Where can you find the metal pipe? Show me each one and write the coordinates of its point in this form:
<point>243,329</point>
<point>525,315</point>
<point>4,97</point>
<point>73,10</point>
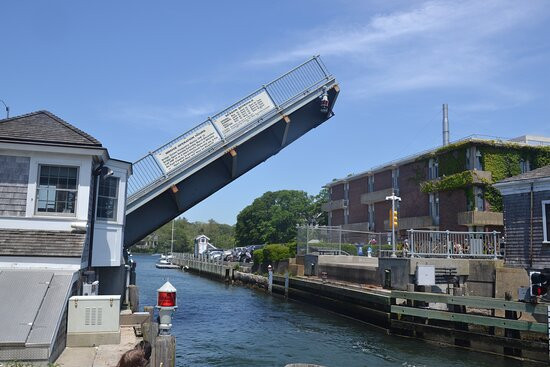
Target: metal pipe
<point>445,124</point>
<point>531,231</point>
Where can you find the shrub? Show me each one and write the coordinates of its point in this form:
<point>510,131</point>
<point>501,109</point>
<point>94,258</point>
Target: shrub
<point>272,253</point>
<point>349,248</point>
<point>292,248</point>
<point>258,256</point>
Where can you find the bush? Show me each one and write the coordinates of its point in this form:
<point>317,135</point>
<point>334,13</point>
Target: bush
<point>273,253</point>
<point>349,248</point>
<point>258,256</point>
<point>292,248</point>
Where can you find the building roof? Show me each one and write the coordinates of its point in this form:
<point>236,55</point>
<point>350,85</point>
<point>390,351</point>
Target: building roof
<point>18,242</point>
<point>45,128</point>
<point>536,174</point>
<point>523,141</point>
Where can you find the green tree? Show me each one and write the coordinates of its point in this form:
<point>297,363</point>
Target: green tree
<point>320,217</point>
<point>272,218</point>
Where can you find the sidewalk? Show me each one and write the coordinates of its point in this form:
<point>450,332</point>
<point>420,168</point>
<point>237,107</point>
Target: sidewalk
<point>101,356</point>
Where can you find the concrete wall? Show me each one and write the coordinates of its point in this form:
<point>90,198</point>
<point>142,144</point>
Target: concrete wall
<point>478,276</point>
<point>14,179</point>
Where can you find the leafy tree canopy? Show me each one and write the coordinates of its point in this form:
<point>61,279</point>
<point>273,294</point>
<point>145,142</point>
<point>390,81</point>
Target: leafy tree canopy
<point>221,235</point>
<point>272,218</point>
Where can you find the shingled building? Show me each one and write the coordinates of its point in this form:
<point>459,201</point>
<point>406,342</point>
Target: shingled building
<point>49,173</point>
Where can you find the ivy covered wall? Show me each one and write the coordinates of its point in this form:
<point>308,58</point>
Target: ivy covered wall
<point>501,159</point>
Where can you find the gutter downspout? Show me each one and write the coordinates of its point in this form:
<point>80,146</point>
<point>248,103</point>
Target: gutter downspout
<point>531,230</point>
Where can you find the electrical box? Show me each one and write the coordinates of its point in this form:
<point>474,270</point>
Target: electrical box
<point>90,289</point>
<point>94,314</point>
<point>425,275</point>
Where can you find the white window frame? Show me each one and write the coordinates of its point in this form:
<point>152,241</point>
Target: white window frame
<point>55,214</point>
<point>545,238</point>
<point>116,200</point>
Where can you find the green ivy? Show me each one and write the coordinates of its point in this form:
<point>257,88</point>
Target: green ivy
<point>452,162</point>
<point>457,181</point>
<point>502,163</point>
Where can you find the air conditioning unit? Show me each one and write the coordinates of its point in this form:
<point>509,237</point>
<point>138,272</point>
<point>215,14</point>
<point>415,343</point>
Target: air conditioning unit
<point>93,320</point>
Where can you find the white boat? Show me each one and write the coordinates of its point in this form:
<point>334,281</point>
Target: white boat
<point>165,264</point>
<point>165,261</point>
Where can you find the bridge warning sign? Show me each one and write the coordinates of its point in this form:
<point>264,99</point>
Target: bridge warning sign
<point>188,147</point>
<point>239,117</point>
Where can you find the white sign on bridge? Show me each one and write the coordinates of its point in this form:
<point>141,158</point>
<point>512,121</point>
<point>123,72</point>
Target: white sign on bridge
<point>244,114</point>
<point>188,147</point>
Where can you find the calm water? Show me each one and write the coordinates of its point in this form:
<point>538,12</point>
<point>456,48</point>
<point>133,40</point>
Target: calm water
<point>221,325</point>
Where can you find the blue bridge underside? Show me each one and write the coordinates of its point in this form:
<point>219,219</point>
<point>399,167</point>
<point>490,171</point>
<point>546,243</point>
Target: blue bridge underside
<point>193,189</point>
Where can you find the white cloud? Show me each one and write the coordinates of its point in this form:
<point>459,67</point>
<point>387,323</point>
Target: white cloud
<point>436,44</point>
<point>166,118</point>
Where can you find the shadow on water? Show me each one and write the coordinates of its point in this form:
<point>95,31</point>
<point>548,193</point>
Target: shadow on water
<point>222,325</point>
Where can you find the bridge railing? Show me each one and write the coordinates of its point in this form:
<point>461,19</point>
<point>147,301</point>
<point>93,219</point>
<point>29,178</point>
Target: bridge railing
<point>281,93</point>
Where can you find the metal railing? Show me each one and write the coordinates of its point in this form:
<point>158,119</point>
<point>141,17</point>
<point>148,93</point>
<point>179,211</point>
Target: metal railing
<point>325,240</point>
<point>283,92</point>
<point>423,243</point>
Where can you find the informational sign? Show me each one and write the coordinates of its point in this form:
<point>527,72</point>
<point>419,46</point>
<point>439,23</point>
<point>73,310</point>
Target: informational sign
<point>189,146</point>
<point>244,114</point>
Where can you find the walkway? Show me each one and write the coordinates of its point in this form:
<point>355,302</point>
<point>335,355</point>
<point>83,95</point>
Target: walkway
<point>102,356</point>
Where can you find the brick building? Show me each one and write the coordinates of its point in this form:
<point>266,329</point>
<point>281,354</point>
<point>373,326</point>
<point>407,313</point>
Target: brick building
<point>447,188</point>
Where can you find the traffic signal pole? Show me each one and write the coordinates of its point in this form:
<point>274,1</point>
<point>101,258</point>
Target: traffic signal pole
<point>392,218</point>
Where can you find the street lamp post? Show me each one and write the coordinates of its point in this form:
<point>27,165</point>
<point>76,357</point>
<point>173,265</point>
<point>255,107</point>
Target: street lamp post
<point>7,109</point>
<point>393,199</point>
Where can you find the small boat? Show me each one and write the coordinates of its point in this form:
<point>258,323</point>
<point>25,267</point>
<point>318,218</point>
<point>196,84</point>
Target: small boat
<point>165,261</point>
<point>165,264</point>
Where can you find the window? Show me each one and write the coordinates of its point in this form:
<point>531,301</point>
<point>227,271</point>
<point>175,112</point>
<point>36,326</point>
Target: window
<point>107,198</point>
<point>478,163</point>
<point>370,183</point>
<point>524,165</point>
<point>395,180</point>
<point>346,215</point>
<point>434,208</point>
<point>546,221</point>
<point>433,169</point>
<point>57,189</point>
<point>468,161</point>
<point>477,200</point>
<point>371,216</point>
<point>346,190</point>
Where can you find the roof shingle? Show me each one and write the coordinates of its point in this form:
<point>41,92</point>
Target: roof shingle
<point>18,242</point>
<point>44,127</point>
<point>535,174</point>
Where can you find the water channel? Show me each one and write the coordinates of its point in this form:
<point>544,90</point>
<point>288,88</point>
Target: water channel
<point>224,325</point>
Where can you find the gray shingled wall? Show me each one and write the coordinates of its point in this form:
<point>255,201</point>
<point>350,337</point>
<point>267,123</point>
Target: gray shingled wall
<point>517,221</point>
<point>14,179</point>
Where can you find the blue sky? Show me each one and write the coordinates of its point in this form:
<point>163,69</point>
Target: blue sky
<point>136,74</point>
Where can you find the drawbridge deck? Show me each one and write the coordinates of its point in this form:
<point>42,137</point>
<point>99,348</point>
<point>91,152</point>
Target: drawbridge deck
<point>188,169</point>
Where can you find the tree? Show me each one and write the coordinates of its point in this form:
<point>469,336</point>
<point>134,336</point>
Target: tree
<point>320,216</point>
<point>272,218</point>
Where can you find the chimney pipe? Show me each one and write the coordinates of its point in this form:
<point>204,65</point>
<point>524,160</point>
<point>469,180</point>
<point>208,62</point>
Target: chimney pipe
<point>445,124</point>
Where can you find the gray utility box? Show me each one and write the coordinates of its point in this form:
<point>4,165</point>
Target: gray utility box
<point>425,275</point>
<point>310,264</point>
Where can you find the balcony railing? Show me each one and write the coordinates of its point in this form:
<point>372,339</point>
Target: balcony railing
<point>335,205</point>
